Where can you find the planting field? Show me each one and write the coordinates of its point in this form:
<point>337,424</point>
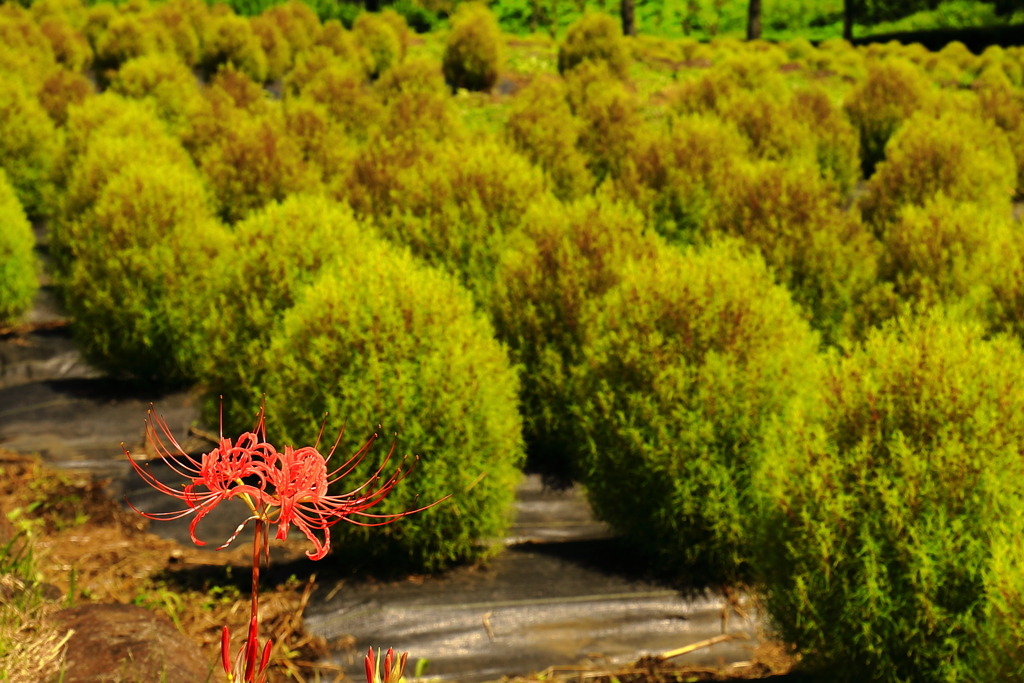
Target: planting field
<point>763,300</point>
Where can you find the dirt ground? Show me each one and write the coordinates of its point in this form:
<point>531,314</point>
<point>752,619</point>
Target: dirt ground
<point>89,549</point>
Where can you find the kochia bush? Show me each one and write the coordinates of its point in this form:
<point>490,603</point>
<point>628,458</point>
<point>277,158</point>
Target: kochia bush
<point>30,147</point>
<point>685,362</point>
<point>390,340</point>
<point>954,154</point>
<point>893,90</point>
<point>557,266</point>
<point>280,250</point>
<point>473,53</point>
<point>18,282</point>
<point>594,37</point>
<point>889,544</point>
<point>131,287</point>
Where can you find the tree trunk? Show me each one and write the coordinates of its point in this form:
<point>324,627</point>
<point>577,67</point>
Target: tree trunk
<point>754,20</point>
<point>848,12</point>
<point>628,18</point>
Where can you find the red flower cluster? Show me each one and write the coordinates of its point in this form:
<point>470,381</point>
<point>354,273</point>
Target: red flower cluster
<point>289,488</point>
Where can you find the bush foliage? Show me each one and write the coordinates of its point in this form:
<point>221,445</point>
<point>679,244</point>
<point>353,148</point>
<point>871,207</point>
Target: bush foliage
<point>685,361</point>
<point>891,505</point>
<point>473,53</point>
<point>18,283</point>
<point>594,37</point>
<point>394,341</point>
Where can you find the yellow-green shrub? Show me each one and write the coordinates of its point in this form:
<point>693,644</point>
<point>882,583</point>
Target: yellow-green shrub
<point>685,361</point>
<point>30,147</point>
<point>417,100</point>
<point>339,40</point>
<point>186,22</point>
<point>893,90</point>
<point>401,29</point>
<point>298,23</point>
<point>131,287</point>
<point>1003,104</point>
<point>836,142</point>
<point>962,157</point>
<point>70,47</point>
<point>677,169</point>
<point>377,37</point>
<point>390,340</point>
<point>822,254</point>
<point>321,140</point>
<point>128,36</point>
<point>280,250</point>
<point>556,267</point>
<point>594,37</point>
<point>275,46</point>
<point>230,40</point>
<point>451,202</point>
<point>253,162</point>
<point>947,253</point>
<point>342,88</point>
<point>610,117</point>
<point>18,266</point>
<point>771,124</point>
<point>167,82</point>
<point>541,126</point>
<point>25,53</point>
<point>474,50</point>
<point>62,89</point>
<point>888,504</point>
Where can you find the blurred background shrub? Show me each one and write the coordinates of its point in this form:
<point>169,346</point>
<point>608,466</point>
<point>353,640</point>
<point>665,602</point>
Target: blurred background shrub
<point>594,37</point>
<point>474,51</point>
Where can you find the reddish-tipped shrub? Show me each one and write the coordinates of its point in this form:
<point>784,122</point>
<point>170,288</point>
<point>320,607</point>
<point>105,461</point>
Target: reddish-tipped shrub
<point>30,147</point>
<point>18,266</point>
<point>893,90</point>
<point>542,127</point>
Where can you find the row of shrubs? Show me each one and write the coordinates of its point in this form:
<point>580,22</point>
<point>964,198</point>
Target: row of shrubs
<point>756,371</point>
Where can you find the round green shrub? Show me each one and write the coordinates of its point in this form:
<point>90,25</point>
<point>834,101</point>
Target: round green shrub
<point>253,162</point>
<point>132,288</point>
<point>824,255</point>
<point>685,361</point>
<point>677,171</point>
<point>377,36</point>
<point>892,507</point>
<point>18,266</point>
<point>62,89</point>
<point>947,252</point>
<point>231,40</point>
<point>612,128</point>
<point>955,154</point>
<point>893,90</point>
<point>541,126</point>
<point>474,51</point>
<point>558,264</point>
<point>453,203</point>
<point>390,340</point>
<point>165,79</point>
<point>70,47</point>
<point>25,52</point>
<point>275,46</point>
<point>30,147</point>
<point>594,37</point>
<point>837,144</point>
<point>279,251</point>
<point>128,36</point>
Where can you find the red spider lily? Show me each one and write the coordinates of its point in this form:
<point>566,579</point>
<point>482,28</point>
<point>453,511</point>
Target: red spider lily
<point>394,667</point>
<point>249,666</point>
<point>220,472</point>
<point>300,481</point>
<point>292,489</point>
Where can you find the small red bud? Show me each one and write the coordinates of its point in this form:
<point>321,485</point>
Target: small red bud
<point>225,650</point>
